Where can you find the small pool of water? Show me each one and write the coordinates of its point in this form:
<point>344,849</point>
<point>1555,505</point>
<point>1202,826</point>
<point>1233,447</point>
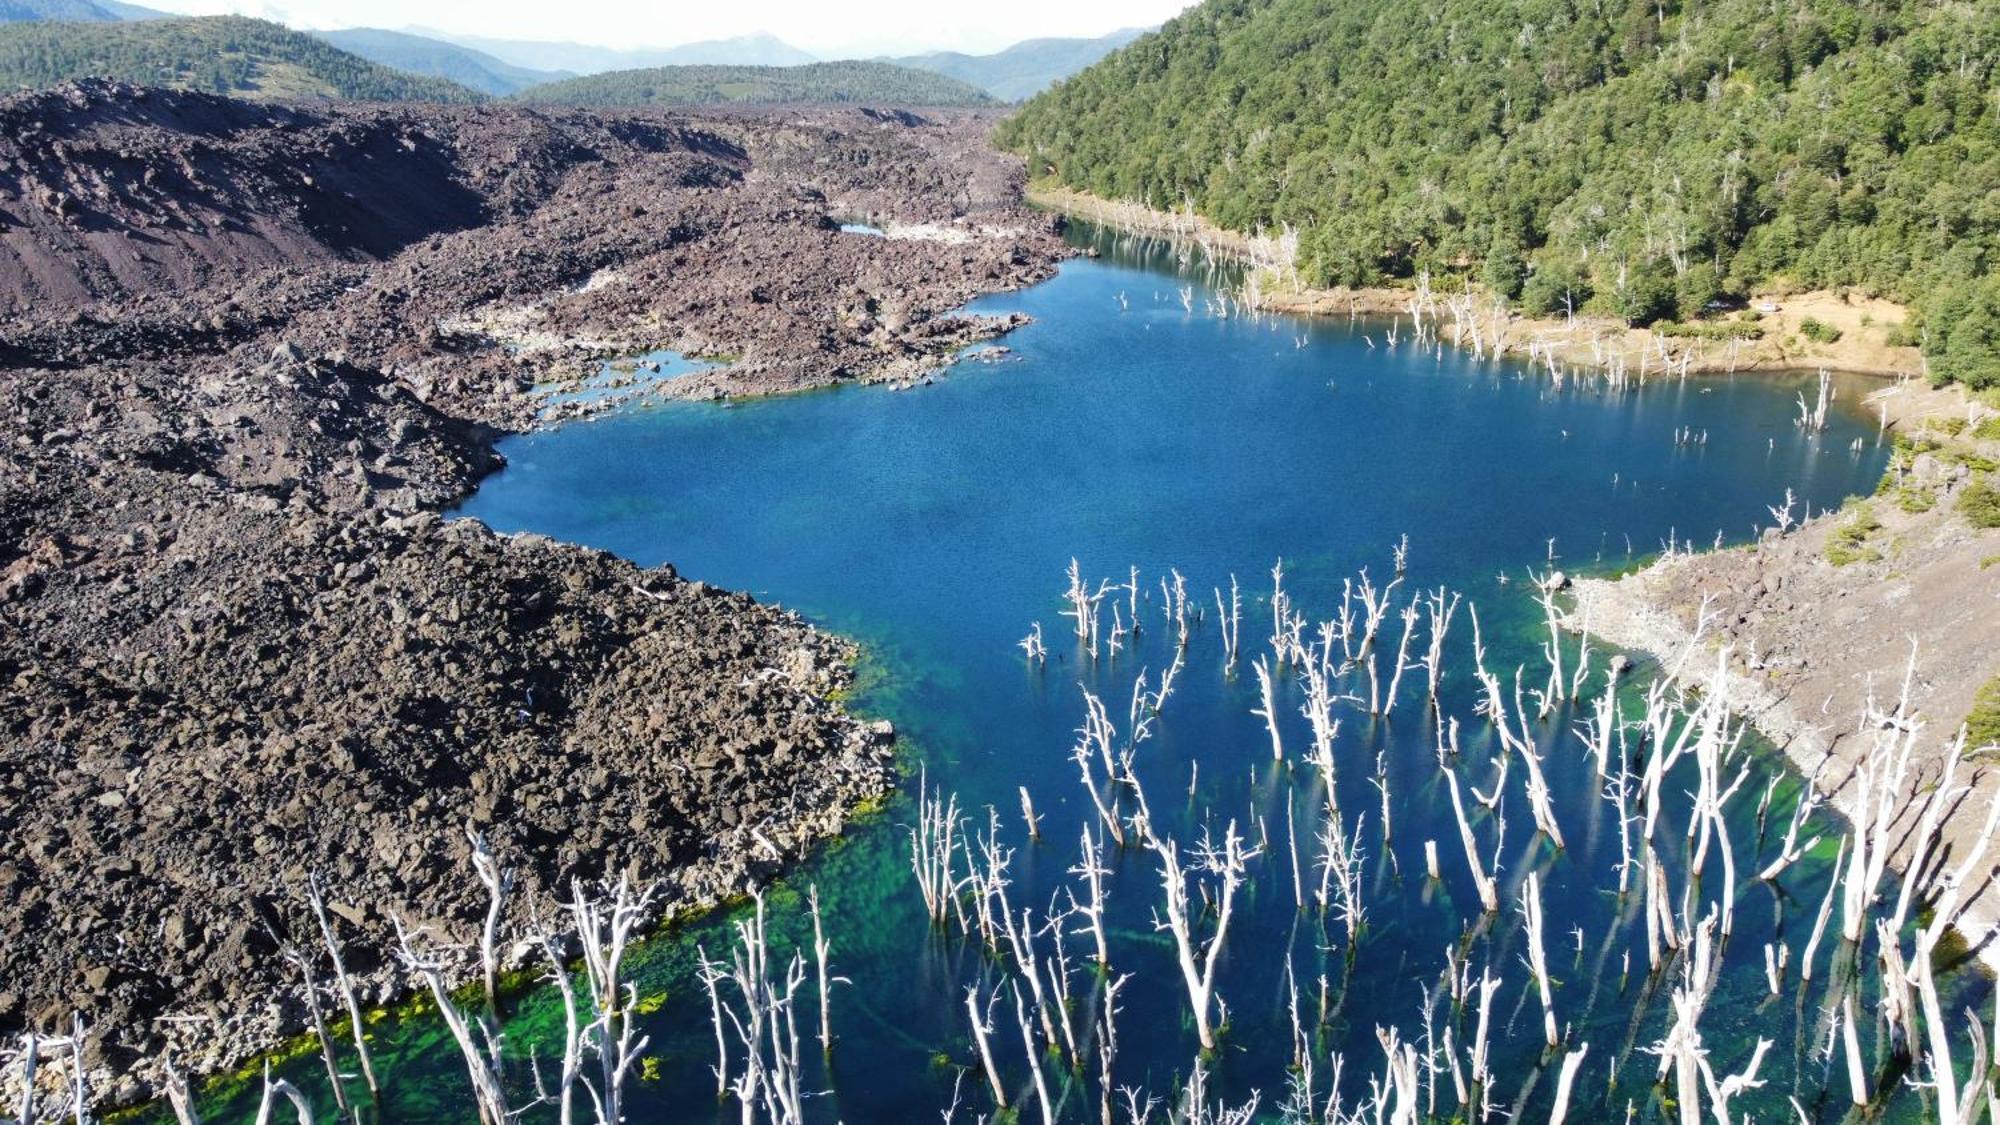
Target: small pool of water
<point>631,377</point>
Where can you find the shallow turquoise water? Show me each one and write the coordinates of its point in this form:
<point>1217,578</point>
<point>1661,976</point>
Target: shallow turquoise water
<point>632,379</point>
<point>935,526</point>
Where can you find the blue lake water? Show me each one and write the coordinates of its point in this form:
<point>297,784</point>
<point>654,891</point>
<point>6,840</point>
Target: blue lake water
<point>935,526</point>
<point>631,379</point>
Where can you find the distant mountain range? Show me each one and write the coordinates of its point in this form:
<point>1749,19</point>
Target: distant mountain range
<point>1025,69</point>
<point>582,58</point>
<point>219,54</point>
<point>816,83</point>
<point>44,41</point>
<point>436,58</point>
<point>83,11</point>
<point>1020,71</point>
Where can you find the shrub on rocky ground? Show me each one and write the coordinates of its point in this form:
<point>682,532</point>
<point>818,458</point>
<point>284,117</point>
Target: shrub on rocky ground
<point>1980,505</point>
<point>1849,542</point>
<point>1982,726</point>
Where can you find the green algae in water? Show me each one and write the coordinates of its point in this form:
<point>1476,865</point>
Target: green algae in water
<point>935,526</point>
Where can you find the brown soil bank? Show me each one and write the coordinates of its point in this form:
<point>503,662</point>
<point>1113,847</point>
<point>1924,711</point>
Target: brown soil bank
<point>253,353</point>
<point>1817,618</point>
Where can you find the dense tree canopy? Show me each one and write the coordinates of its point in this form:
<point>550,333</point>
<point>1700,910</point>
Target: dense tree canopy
<point>1649,153</point>
<point>219,54</point>
<point>834,82</point>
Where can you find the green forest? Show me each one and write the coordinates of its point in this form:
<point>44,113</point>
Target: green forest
<point>817,83</point>
<point>218,54</point>
<point>1642,157</point>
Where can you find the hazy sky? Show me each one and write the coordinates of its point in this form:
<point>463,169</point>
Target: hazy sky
<point>830,30</point>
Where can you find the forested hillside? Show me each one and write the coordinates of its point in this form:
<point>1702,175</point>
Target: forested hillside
<point>218,54</point>
<point>95,10</point>
<point>815,83</point>
<point>1646,155</point>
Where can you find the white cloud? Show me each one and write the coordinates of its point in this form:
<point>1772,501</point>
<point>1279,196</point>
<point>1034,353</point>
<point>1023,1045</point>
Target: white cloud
<point>827,30</point>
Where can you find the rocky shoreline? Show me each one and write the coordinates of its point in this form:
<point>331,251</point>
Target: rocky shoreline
<point>1817,618</point>
<point>248,356</point>
<point>1866,342</point>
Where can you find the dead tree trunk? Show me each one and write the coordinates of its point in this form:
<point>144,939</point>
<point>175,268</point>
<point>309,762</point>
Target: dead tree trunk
<point>345,984</point>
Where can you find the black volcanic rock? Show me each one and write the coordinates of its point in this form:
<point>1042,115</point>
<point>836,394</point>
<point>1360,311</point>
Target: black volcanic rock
<point>256,352</point>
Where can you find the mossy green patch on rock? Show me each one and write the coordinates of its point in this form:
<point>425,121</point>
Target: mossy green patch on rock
<point>1849,542</point>
<point>1982,725</point>
<point>1915,500</point>
<point>1980,505</point>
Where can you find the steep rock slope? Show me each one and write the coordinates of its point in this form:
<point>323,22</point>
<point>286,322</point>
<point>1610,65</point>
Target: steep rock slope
<point>1800,626</point>
<point>107,189</point>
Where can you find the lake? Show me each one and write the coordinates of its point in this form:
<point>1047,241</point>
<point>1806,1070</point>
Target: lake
<point>1126,429</point>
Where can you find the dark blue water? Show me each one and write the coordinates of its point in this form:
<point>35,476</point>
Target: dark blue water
<point>935,526</point>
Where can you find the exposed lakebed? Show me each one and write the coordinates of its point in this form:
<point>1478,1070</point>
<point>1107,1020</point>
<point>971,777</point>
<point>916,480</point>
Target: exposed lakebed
<point>935,526</point>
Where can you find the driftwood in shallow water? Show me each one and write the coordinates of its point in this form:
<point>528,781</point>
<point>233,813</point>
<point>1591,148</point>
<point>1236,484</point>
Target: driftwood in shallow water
<point>1340,874</point>
<point>570,1070</point>
<point>1572,1062</point>
<point>1091,868</point>
<point>762,1011</point>
<point>1036,651</point>
<point>310,989</point>
<point>499,883</point>
<point>1230,621</point>
<point>821,950</point>
<point>1034,1058</point>
<point>1269,711</point>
